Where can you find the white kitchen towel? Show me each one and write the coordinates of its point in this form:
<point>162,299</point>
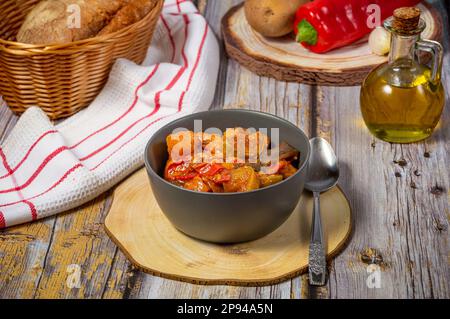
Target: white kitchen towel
<point>47,169</point>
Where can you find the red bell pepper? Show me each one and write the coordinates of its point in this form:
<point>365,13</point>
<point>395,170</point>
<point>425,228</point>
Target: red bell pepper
<point>180,172</point>
<point>216,172</point>
<point>206,169</point>
<point>324,25</point>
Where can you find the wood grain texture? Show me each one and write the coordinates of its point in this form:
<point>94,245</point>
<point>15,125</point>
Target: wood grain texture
<point>398,193</point>
<point>406,227</point>
<point>142,231</point>
<point>285,60</point>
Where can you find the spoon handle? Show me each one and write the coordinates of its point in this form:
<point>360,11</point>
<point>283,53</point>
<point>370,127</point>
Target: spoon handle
<point>317,259</point>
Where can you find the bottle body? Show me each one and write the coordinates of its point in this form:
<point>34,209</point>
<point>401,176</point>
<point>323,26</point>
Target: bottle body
<point>403,99</point>
<point>400,103</point>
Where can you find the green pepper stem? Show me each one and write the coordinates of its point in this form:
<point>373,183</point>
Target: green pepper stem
<point>306,33</point>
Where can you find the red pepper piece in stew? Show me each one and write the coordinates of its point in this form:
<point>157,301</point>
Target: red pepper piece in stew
<point>180,171</point>
<point>211,169</point>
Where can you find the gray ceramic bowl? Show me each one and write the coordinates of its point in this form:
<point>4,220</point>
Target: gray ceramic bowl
<point>227,217</point>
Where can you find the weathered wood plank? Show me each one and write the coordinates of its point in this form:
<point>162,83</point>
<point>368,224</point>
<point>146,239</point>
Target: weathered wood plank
<point>119,278</point>
<point>398,196</point>
<point>78,242</point>
<point>22,254</point>
<point>409,226</point>
<point>395,210</point>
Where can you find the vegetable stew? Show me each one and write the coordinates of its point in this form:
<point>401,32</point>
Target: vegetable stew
<point>232,162</point>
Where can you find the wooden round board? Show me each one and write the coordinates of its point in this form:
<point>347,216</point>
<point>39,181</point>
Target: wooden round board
<point>140,229</point>
<point>286,60</point>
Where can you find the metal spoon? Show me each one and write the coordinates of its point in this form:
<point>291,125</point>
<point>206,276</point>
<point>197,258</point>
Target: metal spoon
<point>323,174</point>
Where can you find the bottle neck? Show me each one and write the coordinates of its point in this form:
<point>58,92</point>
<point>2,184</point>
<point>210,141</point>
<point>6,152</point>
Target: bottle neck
<point>402,47</point>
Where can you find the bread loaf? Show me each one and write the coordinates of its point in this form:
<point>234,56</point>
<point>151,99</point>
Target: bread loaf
<point>131,12</point>
<point>50,21</point>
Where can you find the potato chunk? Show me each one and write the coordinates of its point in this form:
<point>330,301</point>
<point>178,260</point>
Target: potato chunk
<point>239,141</point>
<point>180,144</point>
<point>267,180</point>
<point>243,179</point>
<point>197,184</point>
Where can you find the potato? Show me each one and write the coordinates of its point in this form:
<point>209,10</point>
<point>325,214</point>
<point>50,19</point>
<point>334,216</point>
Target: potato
<point>272,18</point>
<point>243,179</point>
<point>237,138</point>
<point>197,184</point>
<point>179,143</point>
<point>267,180</point>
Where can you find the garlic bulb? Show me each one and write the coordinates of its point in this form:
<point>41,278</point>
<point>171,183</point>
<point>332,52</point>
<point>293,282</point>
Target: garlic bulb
<point>380,41</point>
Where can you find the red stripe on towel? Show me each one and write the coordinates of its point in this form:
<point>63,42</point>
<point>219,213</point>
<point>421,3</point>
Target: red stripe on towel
<point>70,171</point>
<point>32,209</point>
<point>2,221</point>
<point>172,41</point>
<point>81,165</point>
<point>172,83</point>
<point>30,204</point>
<point>28,153</point>
<point>92,134</point>
<point>136,99</point>
<point>180,103</point>
<point>36,173</point>
<point>48,158</point>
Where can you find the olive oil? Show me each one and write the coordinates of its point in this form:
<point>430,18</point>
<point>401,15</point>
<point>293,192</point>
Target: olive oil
<point>403,99</point>
<point>401,104</point>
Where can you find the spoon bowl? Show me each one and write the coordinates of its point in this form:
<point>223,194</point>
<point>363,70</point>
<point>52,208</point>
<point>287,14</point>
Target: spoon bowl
<point>323,172</point>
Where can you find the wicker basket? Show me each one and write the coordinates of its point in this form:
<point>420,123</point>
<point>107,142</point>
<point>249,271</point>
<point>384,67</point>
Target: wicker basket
<point>62,79</point>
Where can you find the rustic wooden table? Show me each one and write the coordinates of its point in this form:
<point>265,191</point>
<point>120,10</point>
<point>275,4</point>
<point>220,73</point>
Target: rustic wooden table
<point>399,194</point>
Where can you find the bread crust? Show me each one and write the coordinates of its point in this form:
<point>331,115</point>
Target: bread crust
<point>130,13</point>
<point>48,21</point>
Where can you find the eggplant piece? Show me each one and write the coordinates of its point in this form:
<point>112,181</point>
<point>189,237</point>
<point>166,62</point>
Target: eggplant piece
<point>286,151</point>
<point>243,179</point>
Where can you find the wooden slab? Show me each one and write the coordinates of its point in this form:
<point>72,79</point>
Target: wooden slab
<point>140,229</point>
<point>286,60</point>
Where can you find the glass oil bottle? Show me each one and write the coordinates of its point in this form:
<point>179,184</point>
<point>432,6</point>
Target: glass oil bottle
<point>402,100</point>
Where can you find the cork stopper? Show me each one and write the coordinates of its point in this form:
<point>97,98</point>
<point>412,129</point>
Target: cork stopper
<point>406,19</point>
